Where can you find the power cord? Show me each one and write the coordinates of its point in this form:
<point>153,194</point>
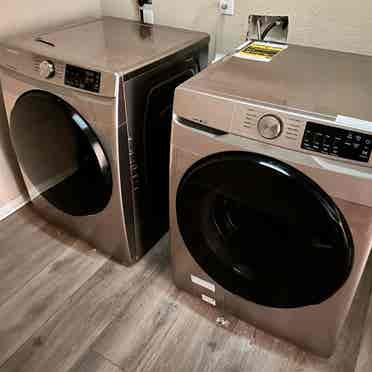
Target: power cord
<point>279,22</point>
<point>141,3</point>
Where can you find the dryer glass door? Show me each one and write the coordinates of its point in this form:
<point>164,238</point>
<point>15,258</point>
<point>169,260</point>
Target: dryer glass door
<point>60,155</point>
<point>263,230</point>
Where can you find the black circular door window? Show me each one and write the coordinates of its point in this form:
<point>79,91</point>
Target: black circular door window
<point>60,154</point>
<point>263,230</point>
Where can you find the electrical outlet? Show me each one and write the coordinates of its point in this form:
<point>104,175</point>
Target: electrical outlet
<point>148,13</point>
<point>227,7</point>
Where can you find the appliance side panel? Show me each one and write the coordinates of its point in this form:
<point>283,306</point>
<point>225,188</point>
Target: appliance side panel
<point>124,168</point>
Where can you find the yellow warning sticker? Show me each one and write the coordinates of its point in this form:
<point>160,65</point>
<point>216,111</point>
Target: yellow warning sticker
<point>260,51</point>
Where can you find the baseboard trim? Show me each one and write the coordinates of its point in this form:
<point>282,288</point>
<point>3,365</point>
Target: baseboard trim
<point>33,193</point>
<point>13,206</point>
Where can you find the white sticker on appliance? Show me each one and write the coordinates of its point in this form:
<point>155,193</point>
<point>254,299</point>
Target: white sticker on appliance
<point>203,283</point>
<point>209,300</point>
<point>354,123</point>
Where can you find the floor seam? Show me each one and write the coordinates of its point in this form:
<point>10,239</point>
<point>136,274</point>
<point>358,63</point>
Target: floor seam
<point>107,359</point>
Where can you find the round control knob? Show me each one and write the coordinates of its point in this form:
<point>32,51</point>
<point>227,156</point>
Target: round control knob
<point>270,126</point>
<point>47,69</point>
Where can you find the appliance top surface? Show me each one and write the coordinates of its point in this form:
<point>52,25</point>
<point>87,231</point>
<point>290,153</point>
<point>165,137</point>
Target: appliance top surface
<point>109,44</point>
<point>301,78</point>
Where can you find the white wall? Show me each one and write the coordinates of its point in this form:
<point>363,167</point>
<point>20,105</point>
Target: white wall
<point>335,24</point>
<point>18,16</point>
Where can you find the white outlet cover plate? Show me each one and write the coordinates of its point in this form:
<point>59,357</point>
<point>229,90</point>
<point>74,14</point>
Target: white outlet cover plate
<point>148,13</point>
<point>227,7</point>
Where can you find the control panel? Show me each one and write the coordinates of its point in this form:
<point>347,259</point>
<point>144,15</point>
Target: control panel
<point>57,72</point>
<point>263,124</point>
<point>298,131</point>
<point>337,142</point>
<point>78,77</point>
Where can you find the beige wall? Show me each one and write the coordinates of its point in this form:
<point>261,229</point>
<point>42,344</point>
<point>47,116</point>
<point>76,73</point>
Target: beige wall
<point>23,15</point>
<point>10,184</point>
<point>335,24</point>
<point>19,16</point>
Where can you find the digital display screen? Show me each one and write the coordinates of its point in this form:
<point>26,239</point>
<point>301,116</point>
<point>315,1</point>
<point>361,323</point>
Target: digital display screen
<point>337,142</point>
<point>81,78</point>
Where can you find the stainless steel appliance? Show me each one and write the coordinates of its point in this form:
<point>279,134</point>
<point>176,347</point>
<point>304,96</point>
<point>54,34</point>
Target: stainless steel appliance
<point>89,108</point>
<point>271,203</point>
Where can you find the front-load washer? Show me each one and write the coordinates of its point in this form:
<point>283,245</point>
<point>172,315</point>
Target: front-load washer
<point>270,202</point>
<point>89,108</point>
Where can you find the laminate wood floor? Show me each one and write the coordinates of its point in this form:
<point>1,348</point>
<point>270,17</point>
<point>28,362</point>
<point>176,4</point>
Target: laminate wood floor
<point>64,307</point>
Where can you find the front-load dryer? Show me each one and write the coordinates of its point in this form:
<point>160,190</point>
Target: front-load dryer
<point>271,203</point>
<point>89,108</point>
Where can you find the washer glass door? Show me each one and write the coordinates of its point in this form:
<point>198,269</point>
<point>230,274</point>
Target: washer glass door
<point>263,230</point>
<point>60,155</point>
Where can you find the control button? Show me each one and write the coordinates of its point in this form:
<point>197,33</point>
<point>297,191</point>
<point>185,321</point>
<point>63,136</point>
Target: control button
<point>368,141</point>
<point>318,138</point>
<point>316,147</point>
<point>347,144</point>
<point>336,143</point>
<point>349,136</point>
<point>363,158</point>
<point>365,153</point>
<point>270,126</point>
<point>327,139</point>
<point>358,138</point>
<point>47,69</point>
<point>308,136</point>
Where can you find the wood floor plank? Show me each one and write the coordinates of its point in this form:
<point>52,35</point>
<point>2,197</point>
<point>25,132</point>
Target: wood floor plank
<point>69,334</point>
<point>345,356</point>
<point>364,362</point>
<point>28,244</point>
<point>135,335</point>
<point>165,330</point>
<point>41,297</point>
<point>82,313</point>
<point>93,362</point>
